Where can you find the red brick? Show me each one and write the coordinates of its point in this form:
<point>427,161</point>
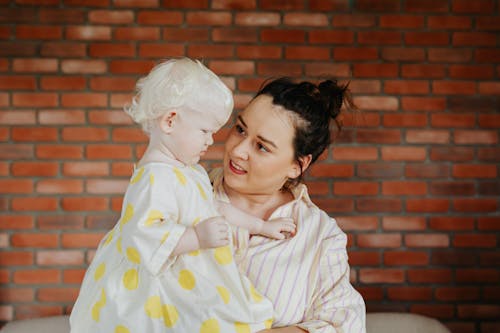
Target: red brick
<point>106,186</point>
<point>426,6</point>
<point>427,205</point>
<point>489,88</point>
<point>112,50</point>
<point>427,240</point>
<point>307,53</point>
<point>379,37</point>
<point>59,257</point>
<point>6,312</point>
<point>17,82</point>
<point>357,223</point>
<point>260,19</point>
<point>63,83</point>
<point>403,153</point>
<point>15,295</point>
<point>489,188</point>
<point>88,33</point>
<point>430,275</point>
<point>37,276</point>
<point>475,241</point>
<point>16,151</point>
<point>423,103</point>
<point>477,275</point>
<point>404,188</point>
<point>278,68</point>
<point>235,35</point>
<point>438,311</point>
<point>474,171</point>
<point>379,170</point>
<point>480,6</point>
<point>84,100</point>
<point>364,258</point>
<point>63,49</point>
<point>487,23</point>
<point>16,258</point>
<point>16,186</point>
<point>29,311</point>
<point>111,16</point>
<point>405,54</point>
<point>335,205</point>
<point>232,67</point>
<point>212,51</point>
<point>58,151</point>
<point>473,39</point>
<point>84,66</point>
<point>427,171</point>
<point>452,188</point>
<point>453,120</point>
<point>455,257</point>
<point>34,204</point>
<point>90,134</point>
<point>332,170</point>
<point>358,20</point>
<point>137,33</point>
<point>40,134</point>
<point>85,204</point>
<point>34,99</point>
<point>407,293</point>
<point>234,4</point>
<point>60,222</point>
<point>73,276</point>
<point>377,103</point>
<point>401,21</point>
<point>305,19</point>
<point>61,294</point>
<point>471,72</point>
<point>489,154</point>
<point>378,275</point>
<point>457,293</point>
<point>92,3</point>
<point>365,119</point>
<point>444,55</point>
<point>456,87</point>
<point>355,188</point>
<point>355,153</point>
<point>405,120</point>
<point>405,258</point>
<point>476,137</point>
<point>427,38</point>
<point>449,22</point>
<point>63,15</point>
<point>259,52</point>
<point>288,36</point>
<point>55,186</point>
<point>130,66</point>
<point>379,204</point>
<point>475,205</point>
<point>488,223</point>
<point>406,87</point>
<point>393,223</point>
<point>355,53</point>
<point>16,222</point>
<point>38,32</point>
<point>83,240</point>
<point>427,136</point>
<point>375,70</point>
<point>331,37</point>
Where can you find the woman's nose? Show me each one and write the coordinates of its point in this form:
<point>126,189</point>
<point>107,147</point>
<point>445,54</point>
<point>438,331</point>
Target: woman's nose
<point>241,149</point>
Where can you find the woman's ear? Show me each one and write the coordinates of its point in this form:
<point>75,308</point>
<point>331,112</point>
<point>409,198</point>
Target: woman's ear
<point>167,121</point>
<point>298,169</point>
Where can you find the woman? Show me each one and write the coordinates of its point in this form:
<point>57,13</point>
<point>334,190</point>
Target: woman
<point>282,131</point>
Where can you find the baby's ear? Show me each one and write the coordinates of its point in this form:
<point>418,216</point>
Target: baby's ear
<point>167,121</point>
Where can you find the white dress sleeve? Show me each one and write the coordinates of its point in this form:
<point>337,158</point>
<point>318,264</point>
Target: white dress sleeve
<point>149,227</point>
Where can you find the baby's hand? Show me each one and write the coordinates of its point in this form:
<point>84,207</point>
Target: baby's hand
<point>212,232</point>
<point>278,228</point>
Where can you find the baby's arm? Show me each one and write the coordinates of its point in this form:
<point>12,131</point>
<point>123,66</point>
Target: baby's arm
<point>209,233</point>
<point>275,228</point>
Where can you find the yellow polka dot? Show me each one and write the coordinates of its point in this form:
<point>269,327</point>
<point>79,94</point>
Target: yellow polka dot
<point>137,176</point>
<point>153,307</point>
<point>154,216</point>
<point>210,326</point>
<point>180,176</point>
<point>195,221</point>
<point>127,216</point>
<point>109,238</point>
<point>131,279</point>
<point>151,179</point>
<point>170,315</point>
<point>255,294</point>
<point>133,255</point>
<point>202,192</point>
<point>119,245</point>
<point>194,253</point>
<point>224,293</point>
<point>242,328</point>
<point>186,279</point>
<point>268,323</point>
<point>121,329</point>
<point>99,272</point>
<point>164,238</point>
<point>223,255</point>
<point>96,312</point>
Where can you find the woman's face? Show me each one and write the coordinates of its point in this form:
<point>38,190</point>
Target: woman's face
<point>259,155</point>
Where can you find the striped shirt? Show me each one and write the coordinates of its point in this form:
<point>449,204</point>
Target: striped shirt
<point>306,277</point>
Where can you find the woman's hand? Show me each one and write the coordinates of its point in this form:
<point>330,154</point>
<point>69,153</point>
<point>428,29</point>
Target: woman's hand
<point>278,228</point>
<point>212,232</point>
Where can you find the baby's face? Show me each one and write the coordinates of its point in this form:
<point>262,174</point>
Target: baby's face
<point>192,135</point>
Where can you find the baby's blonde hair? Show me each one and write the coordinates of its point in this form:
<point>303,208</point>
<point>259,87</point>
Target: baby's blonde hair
<point>179,84</point>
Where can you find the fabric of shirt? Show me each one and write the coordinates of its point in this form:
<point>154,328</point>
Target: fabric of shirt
<point>306,277</point>
<point>134,285</point>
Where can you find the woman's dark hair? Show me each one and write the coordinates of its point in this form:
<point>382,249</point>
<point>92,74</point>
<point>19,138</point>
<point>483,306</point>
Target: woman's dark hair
<point>314,106</point>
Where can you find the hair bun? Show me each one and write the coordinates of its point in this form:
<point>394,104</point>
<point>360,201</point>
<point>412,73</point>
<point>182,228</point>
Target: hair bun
<point>333,96</point>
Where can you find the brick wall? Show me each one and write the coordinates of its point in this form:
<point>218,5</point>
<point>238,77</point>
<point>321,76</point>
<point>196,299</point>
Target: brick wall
<point>413,179</point>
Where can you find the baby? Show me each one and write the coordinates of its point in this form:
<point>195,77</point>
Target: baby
<point>167,265</point>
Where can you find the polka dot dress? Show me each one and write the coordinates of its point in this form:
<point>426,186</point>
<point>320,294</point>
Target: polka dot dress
<point>133,285</point>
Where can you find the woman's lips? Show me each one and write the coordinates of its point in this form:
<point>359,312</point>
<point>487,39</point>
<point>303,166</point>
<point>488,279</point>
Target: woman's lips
<point>235,168</point>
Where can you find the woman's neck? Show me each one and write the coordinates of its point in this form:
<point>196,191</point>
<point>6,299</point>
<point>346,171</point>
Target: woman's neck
<point>261,205</point>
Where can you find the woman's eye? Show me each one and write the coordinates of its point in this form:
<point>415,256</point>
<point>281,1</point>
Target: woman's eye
<point>262,148</point>
<point>239,129</point>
